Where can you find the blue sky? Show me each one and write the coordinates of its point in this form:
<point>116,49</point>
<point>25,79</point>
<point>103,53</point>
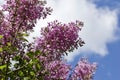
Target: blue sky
<point>109,66</point>
<point>101,32</point>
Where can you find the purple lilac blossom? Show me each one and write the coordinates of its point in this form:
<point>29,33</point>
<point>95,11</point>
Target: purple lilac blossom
<point>57,38</point>
<point>84,70</point>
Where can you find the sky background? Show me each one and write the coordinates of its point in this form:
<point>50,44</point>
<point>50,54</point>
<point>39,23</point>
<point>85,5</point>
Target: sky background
<point>101,32</point>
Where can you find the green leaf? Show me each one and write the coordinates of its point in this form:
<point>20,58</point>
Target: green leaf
<point>1,36</point>
<point>2,79</point>
<point>1,60</point>
<point>30,54</point>
<point>26,78</point>
<point>20,73</point>
<point>37,52</point>
<point>9,44</point>
<point>38,66</point>
<point>31,62</point>
<point>1,49</point>
<point>32,73</point>
<point>25,34</point>
<point>2,67</point>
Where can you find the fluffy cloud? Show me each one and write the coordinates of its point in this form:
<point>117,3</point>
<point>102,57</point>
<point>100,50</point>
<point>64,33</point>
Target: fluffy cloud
<point>1,2</point>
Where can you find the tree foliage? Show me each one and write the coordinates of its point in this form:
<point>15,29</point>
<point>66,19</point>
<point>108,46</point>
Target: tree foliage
<point>43,59</point>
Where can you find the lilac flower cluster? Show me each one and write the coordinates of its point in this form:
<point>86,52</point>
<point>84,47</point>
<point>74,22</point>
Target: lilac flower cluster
<point>5,30</point>
<point>21,16</point>
<point>58,38</point>
<point>57,70</point>
<point>84,70</point>
<point>24,13</point>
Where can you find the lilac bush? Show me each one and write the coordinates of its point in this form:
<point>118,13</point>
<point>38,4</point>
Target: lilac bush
<point>43,59</point>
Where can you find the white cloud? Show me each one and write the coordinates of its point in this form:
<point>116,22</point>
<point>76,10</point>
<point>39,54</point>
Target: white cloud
<point>99,29</point>
<point>1,1</point>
